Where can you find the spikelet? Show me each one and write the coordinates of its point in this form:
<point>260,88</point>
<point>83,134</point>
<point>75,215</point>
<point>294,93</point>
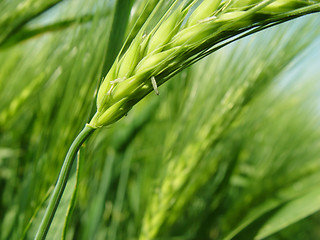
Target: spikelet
<point>130,59</point>
<point>166,31</point>
<point>205,10</point>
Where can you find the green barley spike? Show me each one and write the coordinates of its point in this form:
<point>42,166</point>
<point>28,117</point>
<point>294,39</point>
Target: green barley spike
<point>167,47</point>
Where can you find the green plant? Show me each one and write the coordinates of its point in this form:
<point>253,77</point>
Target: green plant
<point>149,61</point>
<point>178,41</point>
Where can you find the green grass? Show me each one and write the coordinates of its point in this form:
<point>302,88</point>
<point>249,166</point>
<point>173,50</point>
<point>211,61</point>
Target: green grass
<point>228,150</point>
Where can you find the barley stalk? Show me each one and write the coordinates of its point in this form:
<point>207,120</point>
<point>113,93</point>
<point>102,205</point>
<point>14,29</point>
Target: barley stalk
<point>61,182</point>
<point>182,37</point>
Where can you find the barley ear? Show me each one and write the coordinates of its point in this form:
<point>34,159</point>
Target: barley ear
<point>172,45</point>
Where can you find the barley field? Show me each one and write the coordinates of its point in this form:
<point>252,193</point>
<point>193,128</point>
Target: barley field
<point>164,120</point>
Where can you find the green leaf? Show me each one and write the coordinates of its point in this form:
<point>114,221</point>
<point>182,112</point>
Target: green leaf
<point>21,12</point>
<point>27,33</point>
<point>290,213</point>
<point>62,216</point>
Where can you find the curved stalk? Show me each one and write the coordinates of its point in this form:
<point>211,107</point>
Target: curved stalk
<point>61,182</point>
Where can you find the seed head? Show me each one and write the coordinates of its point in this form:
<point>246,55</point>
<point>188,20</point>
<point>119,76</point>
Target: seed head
<point>180,38</point>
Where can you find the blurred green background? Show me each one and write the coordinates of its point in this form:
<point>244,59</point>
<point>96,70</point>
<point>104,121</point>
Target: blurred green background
<point>230,149</point>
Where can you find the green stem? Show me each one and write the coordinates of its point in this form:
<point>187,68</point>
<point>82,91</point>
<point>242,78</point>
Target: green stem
<point>61,182</point>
